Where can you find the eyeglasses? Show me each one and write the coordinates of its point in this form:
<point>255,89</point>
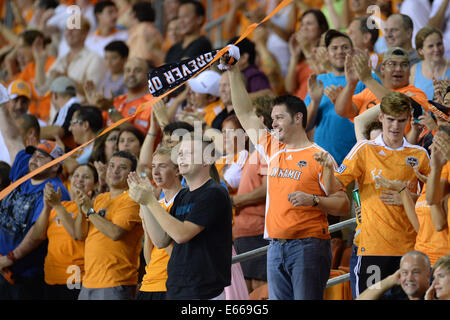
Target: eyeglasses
<point>75,121</point>
<point>393,65</point>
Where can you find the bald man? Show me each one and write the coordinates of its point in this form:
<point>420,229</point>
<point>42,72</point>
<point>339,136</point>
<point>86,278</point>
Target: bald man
<point>409,282</point>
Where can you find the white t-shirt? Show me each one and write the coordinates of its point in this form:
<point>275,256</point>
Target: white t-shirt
<point>4,153</point>
<point>97,43</point>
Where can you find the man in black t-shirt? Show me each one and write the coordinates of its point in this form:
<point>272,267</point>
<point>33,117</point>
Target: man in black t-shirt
<point>199,223</point>
<point>191,16</point>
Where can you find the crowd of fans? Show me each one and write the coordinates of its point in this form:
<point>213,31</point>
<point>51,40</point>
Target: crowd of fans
<point>372,74</point>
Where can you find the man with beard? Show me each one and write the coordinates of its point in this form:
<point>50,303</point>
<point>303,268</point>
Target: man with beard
<point>135,79</point>
<point>409,282</point>
<point>20,209</point>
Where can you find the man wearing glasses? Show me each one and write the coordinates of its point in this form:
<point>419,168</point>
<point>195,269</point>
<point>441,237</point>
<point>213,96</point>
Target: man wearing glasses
<point>395,70</point>
<point>85,124</point>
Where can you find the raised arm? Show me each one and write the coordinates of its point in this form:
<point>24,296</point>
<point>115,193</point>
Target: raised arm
<point>344,105</point>
<point>362,68</point>
<point>146,155</point>
<point>243,106</point>
<point>315,91</point>
<point>10,132</point>
<point>141,192</point>
<point>435,185</point>
<point>364,119</point>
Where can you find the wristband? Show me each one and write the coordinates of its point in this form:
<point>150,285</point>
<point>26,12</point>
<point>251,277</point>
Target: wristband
<point>151,134</point>
<point>11,256</point>
<point>111,111</point>
<point>402,189</point>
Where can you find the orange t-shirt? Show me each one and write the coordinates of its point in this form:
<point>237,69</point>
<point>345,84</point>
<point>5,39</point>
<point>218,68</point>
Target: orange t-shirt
<point>303,72</point>
<point>211,111</point>
<point>110,263</point>
<point>385,230</point>
<point>128,108</point>
<point>39,106</point>
<point>431,242</point>
<point>155,276</point>
<point>249,221</point>
<point>291,170</point>
<point>367,99</point>
<point>63,251</point>
<point>446,175</point>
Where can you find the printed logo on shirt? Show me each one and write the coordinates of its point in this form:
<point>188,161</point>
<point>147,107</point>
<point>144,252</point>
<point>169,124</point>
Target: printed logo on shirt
<point>289,157</point>
<point>182,211</point>
<point>382,153</point>
<point>286,173</point>
<point>412,161</point>
<point>341,168</point>
<point>302,164</point>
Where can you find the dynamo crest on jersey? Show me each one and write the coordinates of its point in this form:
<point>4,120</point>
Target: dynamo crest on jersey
<point>412,161</point>
<point>302,164</point>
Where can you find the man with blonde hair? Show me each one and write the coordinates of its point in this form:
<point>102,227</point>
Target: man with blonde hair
<point>199,225</point>
<point>386,231</point>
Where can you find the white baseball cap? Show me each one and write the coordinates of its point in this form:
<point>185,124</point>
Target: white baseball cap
<point>206,82</point>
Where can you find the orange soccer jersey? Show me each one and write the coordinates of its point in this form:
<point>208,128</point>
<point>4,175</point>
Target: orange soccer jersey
<point>63,251</point>
<point>385,230</point>
<point>431,242</point>
<point>110,263</point>
<point>155,276</point>
<point>291,170</point>
<point>446,176</point>
<point>127,108</point>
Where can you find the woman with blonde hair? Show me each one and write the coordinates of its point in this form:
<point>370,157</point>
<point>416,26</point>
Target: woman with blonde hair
<point>440,288</point>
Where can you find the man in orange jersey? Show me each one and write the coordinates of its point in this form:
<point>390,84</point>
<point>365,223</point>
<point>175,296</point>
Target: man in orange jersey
<point>135,80</point>
<point>298,200</point>
<point>395,77</point>
<point>113,236</point>
<point>439,179</point>
<point>166,176</point>
<point>386,233</point>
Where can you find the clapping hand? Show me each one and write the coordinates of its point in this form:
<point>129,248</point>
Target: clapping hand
<point>361,63</point>
<point>332,92</point>
<point>141,190</point>
<point>52,197</point>
<point>315,89</point>
<point>83,201</point>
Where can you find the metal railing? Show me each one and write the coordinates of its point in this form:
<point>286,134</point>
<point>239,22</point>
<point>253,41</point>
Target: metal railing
<point>263,250</point>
